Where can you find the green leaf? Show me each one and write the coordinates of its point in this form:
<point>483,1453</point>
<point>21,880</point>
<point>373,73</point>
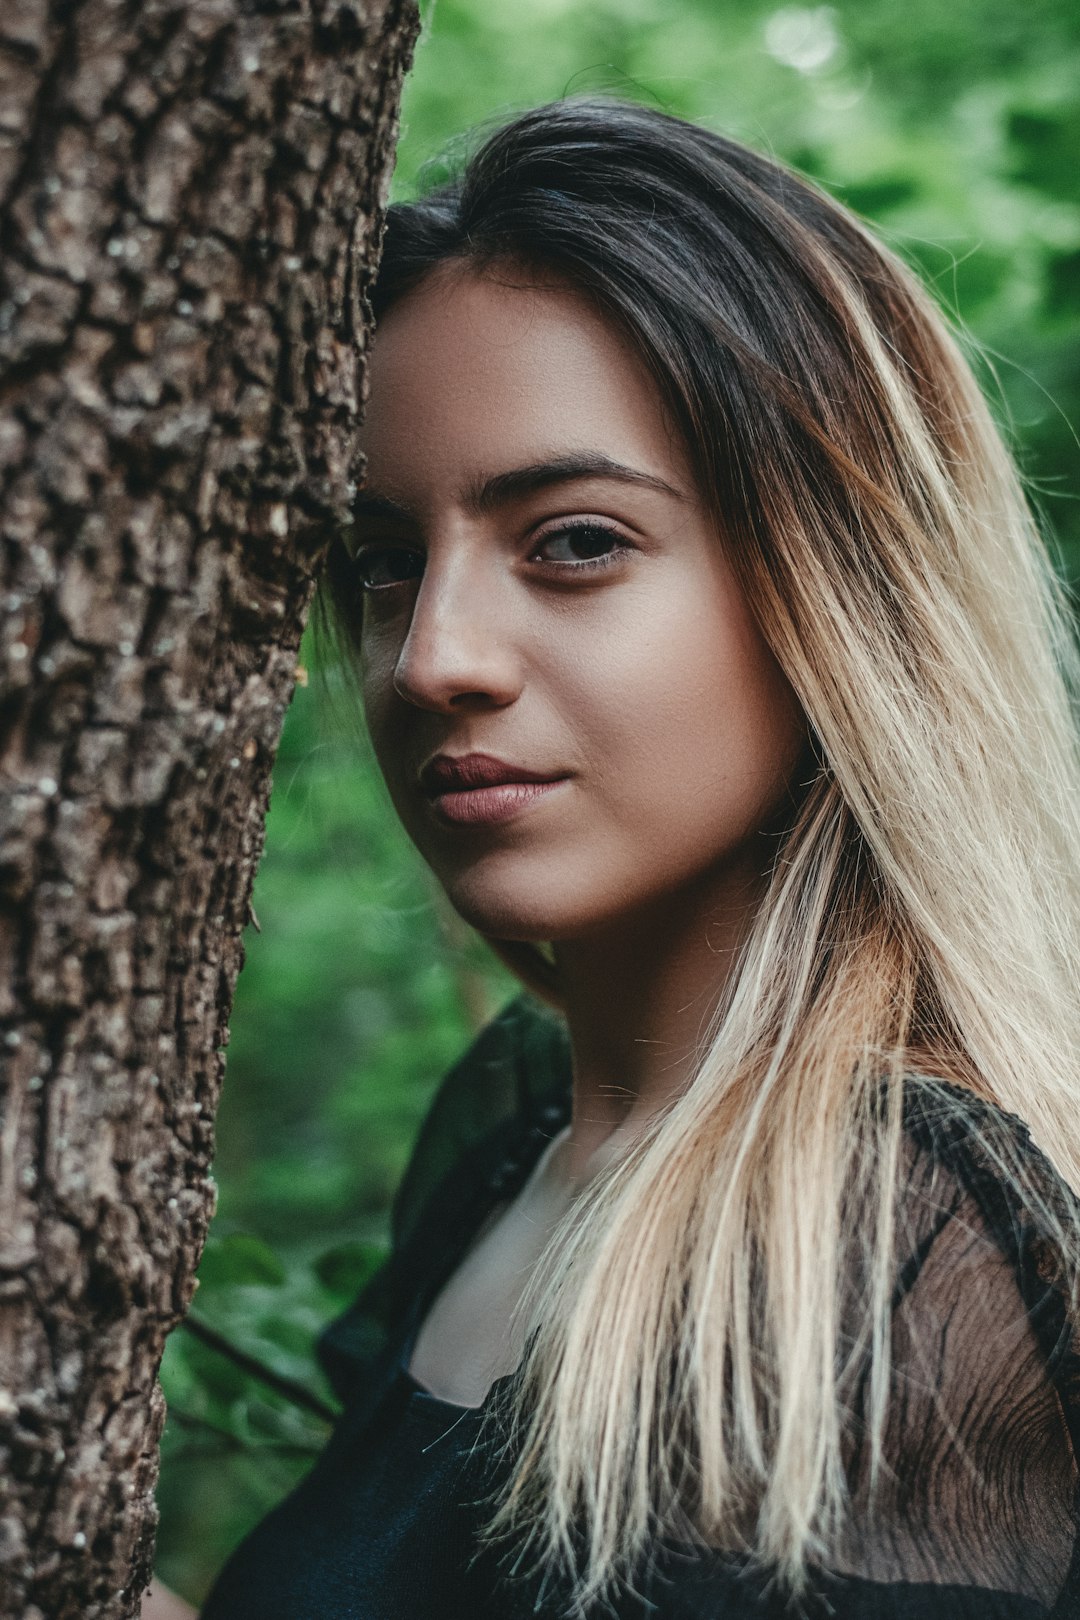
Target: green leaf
<point>878,195</point>
<point>345,1269</point>
<point>1045,143</point>
<point>237,1259</point>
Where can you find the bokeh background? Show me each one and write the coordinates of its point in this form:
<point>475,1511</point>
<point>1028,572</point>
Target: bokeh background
<point>955,129</point>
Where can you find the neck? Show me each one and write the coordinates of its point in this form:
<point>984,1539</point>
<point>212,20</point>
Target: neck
<point>638,998</point>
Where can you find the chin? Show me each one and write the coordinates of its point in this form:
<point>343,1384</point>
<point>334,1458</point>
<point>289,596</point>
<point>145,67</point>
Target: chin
<point>532,925</point>
<point>498,913</point>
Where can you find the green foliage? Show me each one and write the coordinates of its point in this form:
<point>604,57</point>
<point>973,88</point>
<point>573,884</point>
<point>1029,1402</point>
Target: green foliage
<point>239,1260</point>
<point>234,1443</point>
<point>345,1269</point>
<point>954,129</point>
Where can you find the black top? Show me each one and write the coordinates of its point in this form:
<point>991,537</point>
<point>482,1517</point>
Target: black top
<point>980,1519</point>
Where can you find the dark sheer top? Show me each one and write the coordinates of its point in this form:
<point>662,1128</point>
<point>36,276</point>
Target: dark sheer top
<point>978,1513</point>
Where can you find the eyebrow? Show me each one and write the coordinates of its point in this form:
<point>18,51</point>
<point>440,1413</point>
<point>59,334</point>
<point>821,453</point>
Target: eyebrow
<point>485,495</point>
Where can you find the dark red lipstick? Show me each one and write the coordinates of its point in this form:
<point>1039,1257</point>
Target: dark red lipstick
<point>478,789</point>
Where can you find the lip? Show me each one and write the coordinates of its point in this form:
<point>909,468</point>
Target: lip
<point>481,790</point>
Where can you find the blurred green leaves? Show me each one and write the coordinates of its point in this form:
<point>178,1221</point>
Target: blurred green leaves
<point>241,1430</point>
<point>355,996</point>
<point>343,1271</point>
<point>239,1261</point>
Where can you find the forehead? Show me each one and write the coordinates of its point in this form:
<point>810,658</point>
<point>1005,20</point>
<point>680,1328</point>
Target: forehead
<point>473,371</point>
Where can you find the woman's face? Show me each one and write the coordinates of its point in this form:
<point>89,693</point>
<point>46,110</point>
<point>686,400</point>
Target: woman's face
<point>547,589</point>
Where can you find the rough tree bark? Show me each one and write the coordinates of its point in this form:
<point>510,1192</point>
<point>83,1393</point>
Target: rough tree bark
<point>189,199</point>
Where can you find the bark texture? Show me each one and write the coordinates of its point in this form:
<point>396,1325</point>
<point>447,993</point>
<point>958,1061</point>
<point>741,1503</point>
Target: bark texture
<point>190,193</point>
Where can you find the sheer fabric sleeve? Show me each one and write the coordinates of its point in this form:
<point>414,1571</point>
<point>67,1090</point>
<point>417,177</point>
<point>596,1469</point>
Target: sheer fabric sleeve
<point>979,1484</point>
<point>973,1512</point>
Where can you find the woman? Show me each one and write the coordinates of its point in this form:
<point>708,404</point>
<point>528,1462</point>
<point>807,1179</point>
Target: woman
<point>714,666</point>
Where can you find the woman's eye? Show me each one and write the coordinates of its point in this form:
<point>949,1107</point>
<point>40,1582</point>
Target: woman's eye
<point>380,567</point>
<point>580,546</point>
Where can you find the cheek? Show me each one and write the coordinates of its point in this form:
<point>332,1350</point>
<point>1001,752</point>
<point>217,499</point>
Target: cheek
<point>380,647</point>
<point>693,730</point>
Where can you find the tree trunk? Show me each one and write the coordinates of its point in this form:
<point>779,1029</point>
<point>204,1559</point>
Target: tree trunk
<point>190,193</point>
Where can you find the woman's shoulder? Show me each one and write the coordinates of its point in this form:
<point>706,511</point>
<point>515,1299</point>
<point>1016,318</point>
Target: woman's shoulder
<point>511,1083</point>
<point>962,1146</point>
<point>488,1119</point>
<point>976,1483</point>
<point>975,1184</point>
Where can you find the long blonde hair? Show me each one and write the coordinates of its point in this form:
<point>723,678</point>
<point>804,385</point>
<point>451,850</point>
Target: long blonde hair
<point>683,1372</point>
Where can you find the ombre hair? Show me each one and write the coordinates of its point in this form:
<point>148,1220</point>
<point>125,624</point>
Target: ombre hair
<point>684,1370</point>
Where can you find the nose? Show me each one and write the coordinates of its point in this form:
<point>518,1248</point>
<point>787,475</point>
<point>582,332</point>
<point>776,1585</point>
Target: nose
<point>459,651</point>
